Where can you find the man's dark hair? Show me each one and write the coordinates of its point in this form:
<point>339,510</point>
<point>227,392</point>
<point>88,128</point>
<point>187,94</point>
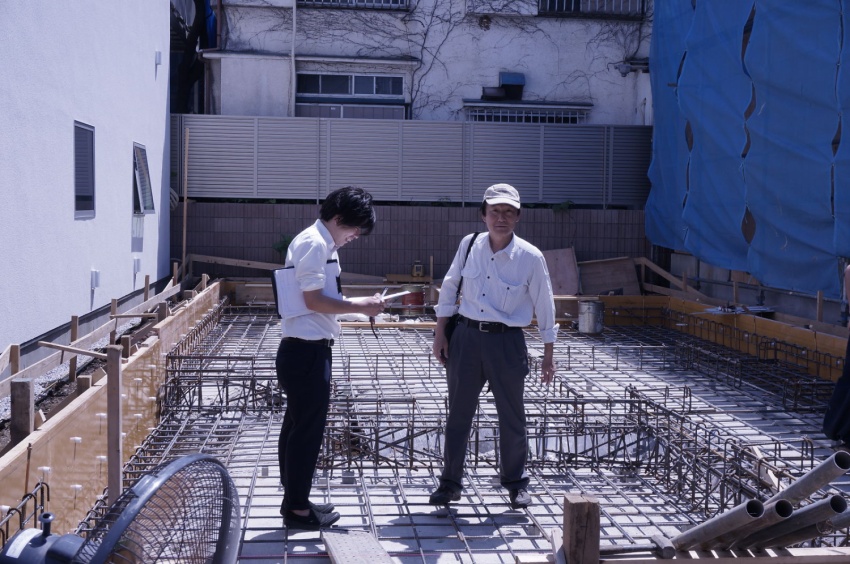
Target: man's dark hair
<point>353,205</point>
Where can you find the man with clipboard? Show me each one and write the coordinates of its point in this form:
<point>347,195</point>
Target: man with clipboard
<point>309,297</point>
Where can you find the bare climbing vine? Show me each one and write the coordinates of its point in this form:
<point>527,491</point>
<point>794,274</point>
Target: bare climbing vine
<point>427,35</point>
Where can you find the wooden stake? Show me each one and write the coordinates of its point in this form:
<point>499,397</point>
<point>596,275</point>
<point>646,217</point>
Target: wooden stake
<point>23,409</point>
<point>72,364</point>
<point>114,311</point>
<point>581,529</point>
<point>114,447</point>
<point>147,287</point>
<point>820,306</point>
<point>15,358</point>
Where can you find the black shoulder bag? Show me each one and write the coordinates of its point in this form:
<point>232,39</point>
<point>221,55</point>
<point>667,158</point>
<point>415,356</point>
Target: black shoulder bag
<point>453,320</point>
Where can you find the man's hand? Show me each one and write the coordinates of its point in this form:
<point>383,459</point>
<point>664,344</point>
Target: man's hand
<point>548,371</point>
<point>440,348</point>
<point>548,366</point>
<point>371,306</point>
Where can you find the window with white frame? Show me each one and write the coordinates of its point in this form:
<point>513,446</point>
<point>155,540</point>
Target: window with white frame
<point>611,9</point>
<point>83,171</point>
<point>142,192</point>
<point>355,85</point>
<point>526,115</point>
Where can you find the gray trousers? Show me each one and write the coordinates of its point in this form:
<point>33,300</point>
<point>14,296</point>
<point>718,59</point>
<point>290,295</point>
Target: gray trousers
<point>474,359</point>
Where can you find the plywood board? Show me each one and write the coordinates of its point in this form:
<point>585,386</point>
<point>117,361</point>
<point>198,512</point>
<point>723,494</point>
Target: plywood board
<point>563,271</point>
<point>610,276</point>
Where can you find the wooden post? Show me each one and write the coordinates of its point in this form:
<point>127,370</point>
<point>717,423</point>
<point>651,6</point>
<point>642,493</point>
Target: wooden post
<point>174,273</point>
<point>735,292</point>
<point>126,345</point>
<point>820,306</point>
<point>114,311</point>
<point>205,278</point>
<point>83,383</point>
<point>147,287</point>
<point>581,529</point>
<point>15,358</point>
<point>23,409</point>
<point>114,447</point>
<point>72,364</point>
<point>161,312</point>
<point>685,281</point>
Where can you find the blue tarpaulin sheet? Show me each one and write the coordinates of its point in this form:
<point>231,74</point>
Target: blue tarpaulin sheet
<point>761,106</point>
<point>667,171</point>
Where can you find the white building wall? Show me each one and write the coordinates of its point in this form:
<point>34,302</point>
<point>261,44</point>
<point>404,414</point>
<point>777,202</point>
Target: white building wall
<point>464,49</point>
<point>255,85</point>
<point>93,62</point>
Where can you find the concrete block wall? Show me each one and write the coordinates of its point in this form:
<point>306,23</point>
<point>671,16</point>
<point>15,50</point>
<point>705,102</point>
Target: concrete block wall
<point>248,231</point>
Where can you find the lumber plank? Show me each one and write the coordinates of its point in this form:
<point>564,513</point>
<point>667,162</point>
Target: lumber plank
<point>563,271</point>
<point>617,275</point>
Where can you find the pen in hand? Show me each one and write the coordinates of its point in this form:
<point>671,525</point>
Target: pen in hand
<point>372,319</point>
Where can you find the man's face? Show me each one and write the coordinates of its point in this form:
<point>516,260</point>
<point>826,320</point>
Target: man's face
<point>345,234</point>
<point>501,219</point>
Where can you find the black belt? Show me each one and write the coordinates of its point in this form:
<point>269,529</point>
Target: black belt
<point>488,326</point>
<point>323,342</point>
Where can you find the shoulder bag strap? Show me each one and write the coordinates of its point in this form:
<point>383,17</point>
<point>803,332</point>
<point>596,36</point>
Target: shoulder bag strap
<point>469,248</point>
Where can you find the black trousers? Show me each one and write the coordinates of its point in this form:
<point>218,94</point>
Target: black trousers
<point>836,420</point>
<point>304,374</point>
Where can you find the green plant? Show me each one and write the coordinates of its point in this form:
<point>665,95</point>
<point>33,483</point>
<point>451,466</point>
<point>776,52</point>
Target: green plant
<point>282,245</point>
<point>563,206</point>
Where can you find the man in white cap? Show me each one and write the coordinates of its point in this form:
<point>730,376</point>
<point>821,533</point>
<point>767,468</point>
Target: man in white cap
<point>504,282</point>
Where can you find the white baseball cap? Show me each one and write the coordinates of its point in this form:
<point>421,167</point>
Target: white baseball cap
<point>502,194</point>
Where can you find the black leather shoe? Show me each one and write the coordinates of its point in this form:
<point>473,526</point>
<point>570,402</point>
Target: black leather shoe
<point>520,498</point>
<point>318,508</point>
<point>444,495</point>
<point>312,522</point>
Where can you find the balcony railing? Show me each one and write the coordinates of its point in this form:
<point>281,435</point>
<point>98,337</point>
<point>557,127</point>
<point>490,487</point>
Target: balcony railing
<point>363,4</point>
<point>609,9</point>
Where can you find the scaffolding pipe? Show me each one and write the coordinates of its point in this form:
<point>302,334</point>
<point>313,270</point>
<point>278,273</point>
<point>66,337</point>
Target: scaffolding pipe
<point>802,535</point>
<point>826,527</point>
<point>774,513</point>
<point>809,515</point>
<point>719,525</point>
<point>822,474</point>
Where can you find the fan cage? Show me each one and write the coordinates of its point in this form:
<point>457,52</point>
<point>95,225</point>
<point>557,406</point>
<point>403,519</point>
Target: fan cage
<point>184,510</point>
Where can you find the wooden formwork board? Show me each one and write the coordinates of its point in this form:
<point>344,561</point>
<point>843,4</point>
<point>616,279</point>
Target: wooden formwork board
<point>67,451</point>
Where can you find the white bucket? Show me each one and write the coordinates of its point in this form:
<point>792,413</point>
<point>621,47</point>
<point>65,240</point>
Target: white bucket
<point>590,315</point>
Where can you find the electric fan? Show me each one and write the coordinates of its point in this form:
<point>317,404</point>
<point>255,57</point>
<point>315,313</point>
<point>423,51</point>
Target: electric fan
<point>186,510</point>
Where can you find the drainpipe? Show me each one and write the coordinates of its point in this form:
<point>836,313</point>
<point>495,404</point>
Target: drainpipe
<point>292,77</point>
<point>207,96</point>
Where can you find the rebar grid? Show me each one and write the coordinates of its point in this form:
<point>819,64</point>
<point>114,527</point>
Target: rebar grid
<point>662,439</point>
<point>25,513</point>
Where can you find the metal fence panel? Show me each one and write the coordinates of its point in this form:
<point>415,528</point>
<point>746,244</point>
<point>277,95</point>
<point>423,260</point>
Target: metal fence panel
<point>630,155</point>
<point>366,155</point>
<point>288,158</point>
<point>398,160</point>
<point>432,161</point>
<point>222,156</point>
<point>506,153</point>
<point>574,164</point>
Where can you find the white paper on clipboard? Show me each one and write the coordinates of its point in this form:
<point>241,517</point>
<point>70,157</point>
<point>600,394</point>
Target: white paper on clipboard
<point>385,298</point>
